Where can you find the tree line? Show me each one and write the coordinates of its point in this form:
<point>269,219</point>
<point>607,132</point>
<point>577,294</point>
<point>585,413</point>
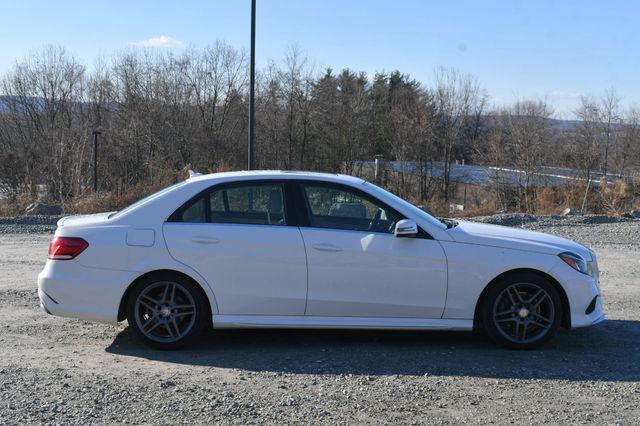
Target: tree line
<point>159,112</point>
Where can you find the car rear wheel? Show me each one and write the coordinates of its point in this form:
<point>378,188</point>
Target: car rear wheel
<point>167,311</point>
<point>522,311</point>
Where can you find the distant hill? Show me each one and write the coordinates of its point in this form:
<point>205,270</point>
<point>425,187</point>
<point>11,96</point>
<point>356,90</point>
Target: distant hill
<point>3,104</point>
<point>563,125</point>
<point>6,101</point>
<point>567,125</point>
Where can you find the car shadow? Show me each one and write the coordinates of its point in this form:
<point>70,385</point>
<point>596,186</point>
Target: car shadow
<point>606,352</point>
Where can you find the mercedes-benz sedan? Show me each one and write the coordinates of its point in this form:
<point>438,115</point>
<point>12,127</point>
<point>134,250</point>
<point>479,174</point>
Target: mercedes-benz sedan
<point>308,250</point>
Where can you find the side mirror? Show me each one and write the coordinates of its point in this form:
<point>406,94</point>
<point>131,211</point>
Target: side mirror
<point>406,228</point>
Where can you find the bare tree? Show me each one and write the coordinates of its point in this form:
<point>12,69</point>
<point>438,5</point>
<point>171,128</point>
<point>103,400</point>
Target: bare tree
<point>529,137</point>
<point>610,116</point>
<point>629,157</point>
<point>456,97</point>
<point>45,92</point>
<point>585,153</point>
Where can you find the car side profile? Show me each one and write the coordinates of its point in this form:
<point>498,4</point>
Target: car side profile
<point>310,250</point>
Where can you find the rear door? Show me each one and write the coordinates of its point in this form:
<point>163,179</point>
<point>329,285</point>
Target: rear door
<point>357,267</point>
<point>238,237</point>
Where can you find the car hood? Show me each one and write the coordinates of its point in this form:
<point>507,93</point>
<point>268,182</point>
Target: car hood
<point>515,238</point>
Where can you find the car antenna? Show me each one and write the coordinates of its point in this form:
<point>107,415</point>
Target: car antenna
<point>193,174</point>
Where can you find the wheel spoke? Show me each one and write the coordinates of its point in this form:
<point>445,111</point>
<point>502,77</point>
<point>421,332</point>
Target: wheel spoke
<point>517,331</point>
<point>153,321</point>
<point>537,299</point>
<point>148,306</point>
<point>504,316</point>
<point>521,330</point>
<point>540,320</point>
<point>149,300</point>
<point>165,295</point>
<point>173,293</point>
<point>183,307</point>
<point>175,324</point>
<point>514,295</point>
<point>525,326</point>
<point>535,296</point>
<point>168,327</point>
<point>182,314</point>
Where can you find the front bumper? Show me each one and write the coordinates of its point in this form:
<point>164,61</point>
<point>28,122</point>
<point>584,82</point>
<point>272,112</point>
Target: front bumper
<point>585,320</point>
<point>68,289</point>
<point>581,289</point>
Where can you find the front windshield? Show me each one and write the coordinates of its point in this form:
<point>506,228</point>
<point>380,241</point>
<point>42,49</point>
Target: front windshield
<point>145,199</point>
<point>415,210</point>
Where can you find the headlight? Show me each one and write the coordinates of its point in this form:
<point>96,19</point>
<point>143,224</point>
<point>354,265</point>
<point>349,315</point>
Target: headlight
<point>576,262</point>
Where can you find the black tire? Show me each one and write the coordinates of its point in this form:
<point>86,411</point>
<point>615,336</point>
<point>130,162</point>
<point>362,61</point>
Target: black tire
<point>167,324</point>
<point>512,318</point>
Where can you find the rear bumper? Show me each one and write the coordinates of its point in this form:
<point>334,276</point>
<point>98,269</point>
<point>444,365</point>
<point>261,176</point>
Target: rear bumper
<point>45,301</point>
<point>68,289</point>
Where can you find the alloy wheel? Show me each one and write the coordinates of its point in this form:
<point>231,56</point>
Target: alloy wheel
<point>165,312</point>
<point>523,313</point>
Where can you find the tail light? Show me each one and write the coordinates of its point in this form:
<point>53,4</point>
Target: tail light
<point>66,248</point>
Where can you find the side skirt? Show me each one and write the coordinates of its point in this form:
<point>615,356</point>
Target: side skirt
<point>267,321</point>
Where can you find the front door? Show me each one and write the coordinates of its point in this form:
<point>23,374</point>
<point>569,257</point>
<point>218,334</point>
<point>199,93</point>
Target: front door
<point>238,238</point>
<point>358,268</point>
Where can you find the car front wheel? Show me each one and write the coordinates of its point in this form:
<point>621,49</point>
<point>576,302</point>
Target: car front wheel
<point>522,311</point>
<point>167,311</point>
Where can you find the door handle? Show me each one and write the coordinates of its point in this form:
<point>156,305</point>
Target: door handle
<point>326,247</point>
<point>205,240</point>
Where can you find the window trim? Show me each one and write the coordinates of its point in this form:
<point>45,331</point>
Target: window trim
<point>175,217</point>
<point>296,211</point>
<point>359,192</point>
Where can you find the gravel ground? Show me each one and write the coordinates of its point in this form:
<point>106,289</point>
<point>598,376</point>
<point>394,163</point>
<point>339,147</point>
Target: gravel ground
<point>591,230</point>
<point>56,370</point>
<point>28,224</point>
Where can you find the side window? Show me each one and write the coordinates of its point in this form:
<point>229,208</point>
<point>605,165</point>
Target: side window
<point>255,204</point>
<point>252,204</point>
<point>339,208</point>
<point>196,212</point>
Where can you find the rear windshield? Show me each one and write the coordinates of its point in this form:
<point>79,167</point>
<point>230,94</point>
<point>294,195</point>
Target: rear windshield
<point>145,199</point>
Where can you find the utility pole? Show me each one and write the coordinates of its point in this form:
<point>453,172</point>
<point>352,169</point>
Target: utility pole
<point>252,88</point>
<point>95,160</point>
<point>377,172</point>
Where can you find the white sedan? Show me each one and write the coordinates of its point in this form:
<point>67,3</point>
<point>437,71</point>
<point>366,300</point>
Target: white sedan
<point>310,250</point>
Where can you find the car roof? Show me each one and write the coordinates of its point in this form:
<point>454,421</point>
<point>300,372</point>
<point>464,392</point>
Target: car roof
<point>275,174</point>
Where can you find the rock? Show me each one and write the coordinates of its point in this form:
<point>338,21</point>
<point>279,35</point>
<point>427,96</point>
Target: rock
<point>289,401</point>
<point>42,209</point>
<point>571,212</point>
<point>168,384</point>
<point>455,208</point>
<point>507,219</point>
